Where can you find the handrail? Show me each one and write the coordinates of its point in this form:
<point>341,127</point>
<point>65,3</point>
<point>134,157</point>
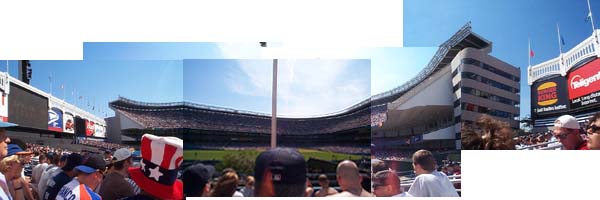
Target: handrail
<point>542,144</point>
<point>588,48</point>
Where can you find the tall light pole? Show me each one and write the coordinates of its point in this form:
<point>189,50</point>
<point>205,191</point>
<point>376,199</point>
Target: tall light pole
<point>273,103</point>
<point>274,107</point>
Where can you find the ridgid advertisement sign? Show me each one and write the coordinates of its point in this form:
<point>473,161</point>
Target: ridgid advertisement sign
<point>584,85</point>
<point>549,96</point>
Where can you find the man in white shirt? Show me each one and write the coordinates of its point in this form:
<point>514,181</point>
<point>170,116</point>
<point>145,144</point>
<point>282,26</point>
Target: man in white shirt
<point>36,172</point>
<point>429,182</point>
<point>52,170</point>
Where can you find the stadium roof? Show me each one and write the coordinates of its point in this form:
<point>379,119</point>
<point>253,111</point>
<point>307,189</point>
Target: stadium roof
<point>123,102</point>
<point>462,39</point>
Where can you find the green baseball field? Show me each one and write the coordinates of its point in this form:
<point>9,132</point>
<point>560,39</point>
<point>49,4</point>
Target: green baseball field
<point>219,154</point>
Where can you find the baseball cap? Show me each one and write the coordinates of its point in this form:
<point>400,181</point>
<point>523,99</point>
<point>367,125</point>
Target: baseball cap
<point>121,154</point>
<point>73,160</point>
<point>14,149</point>
<point>7,124</point>
<point>195,177</point>
<point>91,163</point>
<point>287,166</point>
<point>566,121</point>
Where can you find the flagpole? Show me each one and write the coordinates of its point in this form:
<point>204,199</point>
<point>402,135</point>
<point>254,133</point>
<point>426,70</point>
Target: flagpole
<point>591,16</point>
<point>559,43</point>
<point>529,52</point>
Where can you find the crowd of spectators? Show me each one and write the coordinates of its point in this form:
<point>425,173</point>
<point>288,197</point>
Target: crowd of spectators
<point>567,134</point>
<point>195,118</point>
<point>534,141</point>
<point>393,155</point>
<point>337,148</point>
<point>282,172</point>
<point>33,171</point>
<point>278,172</point>
<point>101,144</point>
<point>378,115</point>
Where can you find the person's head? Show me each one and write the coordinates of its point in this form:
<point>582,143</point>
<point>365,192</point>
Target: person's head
<point>280,172</point>
<point>53,158</point>
<point>592,131</point>
<point>249,181</point>
<point>42,158</point>
<point>91,171</point>
<point>386,183</point>
<point>347,175</point>
<point>487,134</point>
<point>11,166</point>
<point>566,131</point>
<point>196,180</point>
<point>122,160</point>
<point>62,161</point>
<point>378,166</point>
<point>423,162</point>
<point>323,180</point>
<point>226,185</point>
<point>4,139</point>
<point>73,160</point>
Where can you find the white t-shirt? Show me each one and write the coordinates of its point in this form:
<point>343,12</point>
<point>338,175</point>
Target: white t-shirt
<point>3,195</point>
<point>51,171</point>
<point>435,184</point>
<point>36,172</point>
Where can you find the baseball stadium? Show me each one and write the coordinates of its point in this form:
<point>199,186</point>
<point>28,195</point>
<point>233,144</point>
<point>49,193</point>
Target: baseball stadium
<point>565,85</point>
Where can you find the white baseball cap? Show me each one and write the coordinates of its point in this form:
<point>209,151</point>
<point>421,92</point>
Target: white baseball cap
<point>566,121</point>
<point>121,154</point>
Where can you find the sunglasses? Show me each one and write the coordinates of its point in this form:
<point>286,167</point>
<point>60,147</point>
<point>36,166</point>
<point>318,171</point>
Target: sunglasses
<point>593,128</point>
<point>562,136</point>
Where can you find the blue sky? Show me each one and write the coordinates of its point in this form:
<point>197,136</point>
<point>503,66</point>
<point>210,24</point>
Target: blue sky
<point>305,87</point>
<point>240,84</point>
<point>508,24</point>
<point>101,81</point>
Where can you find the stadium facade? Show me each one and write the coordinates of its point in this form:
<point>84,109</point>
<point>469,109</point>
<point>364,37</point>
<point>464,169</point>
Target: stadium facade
<point>567,84</point>
<point>461,83</point>
<point>210,127</point>
<point>38,112</point>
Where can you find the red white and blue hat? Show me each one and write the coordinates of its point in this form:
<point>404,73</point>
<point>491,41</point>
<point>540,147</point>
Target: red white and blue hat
<point>161,158</point>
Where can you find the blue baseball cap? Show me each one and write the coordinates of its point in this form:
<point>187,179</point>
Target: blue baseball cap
<point>7,124</point>
<point>14,149</point>
<point>91,163</point>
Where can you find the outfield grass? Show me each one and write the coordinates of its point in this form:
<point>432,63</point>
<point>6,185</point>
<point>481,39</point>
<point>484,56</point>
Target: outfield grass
<point>218,154</point>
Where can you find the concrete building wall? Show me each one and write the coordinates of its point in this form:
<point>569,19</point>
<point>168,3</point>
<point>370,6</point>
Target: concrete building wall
<point>488,95</point>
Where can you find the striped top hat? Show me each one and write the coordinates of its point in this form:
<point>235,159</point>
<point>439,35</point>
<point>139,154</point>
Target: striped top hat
<point>161,157</point>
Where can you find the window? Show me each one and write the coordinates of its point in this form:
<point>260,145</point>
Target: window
<point>471,61</point>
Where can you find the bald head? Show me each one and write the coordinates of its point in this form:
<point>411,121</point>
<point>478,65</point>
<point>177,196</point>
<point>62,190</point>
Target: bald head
<point>348,171</point>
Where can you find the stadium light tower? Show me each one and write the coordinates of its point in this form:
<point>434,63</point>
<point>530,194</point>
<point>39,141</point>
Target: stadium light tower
<point>274,103</point>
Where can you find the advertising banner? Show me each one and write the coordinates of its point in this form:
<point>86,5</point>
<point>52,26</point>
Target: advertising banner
<point>55,120</point>
<point>4,90</point>
<point>584,85</point>
<point>549,96</point>
<point>99,131</point>
<point>89,128</point>
<point>69,123</point>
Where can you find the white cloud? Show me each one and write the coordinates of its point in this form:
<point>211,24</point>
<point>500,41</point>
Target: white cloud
<point>305,87</point>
